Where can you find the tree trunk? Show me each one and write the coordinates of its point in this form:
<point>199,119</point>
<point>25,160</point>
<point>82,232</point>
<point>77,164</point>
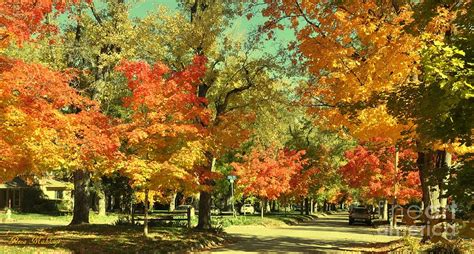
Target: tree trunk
<point>302,207</point>
<point>306,206</point>
<point>81,197</point>
<point>311,204</point>
<point>205,198</point>
<point>117,201</point>
<point>262,204</point>
<point>445,165</point>
<point>145,222</point>
<point>267,206</point>
<point>173,202</point>
<point>423,166</point>
<point>204,220</point>
<point>101,203</point>
<point>385,209</point>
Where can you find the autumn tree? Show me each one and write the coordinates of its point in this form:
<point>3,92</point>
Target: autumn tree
<point>324,154</point>
<point>267,173</point>
<point>158,136</point>
<point>87,140</point>
<point>372,52</point>
<point>371,168</point>
<point>51,126</point>
<point>237,85</point>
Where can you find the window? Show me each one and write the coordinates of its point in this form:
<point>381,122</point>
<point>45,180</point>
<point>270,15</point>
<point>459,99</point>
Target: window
<point>59,194</point>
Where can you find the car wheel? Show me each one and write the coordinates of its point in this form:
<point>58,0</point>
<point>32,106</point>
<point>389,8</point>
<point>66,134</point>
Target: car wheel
<point>369,222</point>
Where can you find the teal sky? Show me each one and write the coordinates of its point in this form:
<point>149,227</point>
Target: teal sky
<point>142,7</point>
<point>240,28</point>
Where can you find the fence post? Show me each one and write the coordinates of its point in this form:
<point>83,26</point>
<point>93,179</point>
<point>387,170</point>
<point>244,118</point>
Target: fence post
<point>189,216</point>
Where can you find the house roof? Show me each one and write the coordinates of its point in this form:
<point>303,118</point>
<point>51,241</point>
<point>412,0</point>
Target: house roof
<point>15,183</point>
<point>51,183</point>
<point>46,182</point>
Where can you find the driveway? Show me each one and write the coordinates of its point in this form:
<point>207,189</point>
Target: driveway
<point>326,234</point>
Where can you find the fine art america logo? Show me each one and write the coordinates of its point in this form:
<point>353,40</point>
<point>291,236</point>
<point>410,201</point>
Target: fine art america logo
<point>417,221</point>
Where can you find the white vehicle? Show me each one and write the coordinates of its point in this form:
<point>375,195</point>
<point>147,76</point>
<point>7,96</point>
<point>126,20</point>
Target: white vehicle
<point>247,208</point>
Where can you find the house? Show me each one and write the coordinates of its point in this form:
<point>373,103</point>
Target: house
<point>11,193</point>
<point>55,190</point>
<point>41,195</point>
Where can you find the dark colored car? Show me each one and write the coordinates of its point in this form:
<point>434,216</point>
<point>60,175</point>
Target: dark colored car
<point>360,214</point>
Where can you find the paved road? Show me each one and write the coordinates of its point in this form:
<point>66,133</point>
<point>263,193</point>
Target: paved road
<point>326,234</point>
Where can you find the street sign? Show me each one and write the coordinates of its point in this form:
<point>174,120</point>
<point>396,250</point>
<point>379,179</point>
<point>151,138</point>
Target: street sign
<point>231,178</point>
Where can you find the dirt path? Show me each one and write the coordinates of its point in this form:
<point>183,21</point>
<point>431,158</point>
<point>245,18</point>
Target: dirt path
<point>326,234</point>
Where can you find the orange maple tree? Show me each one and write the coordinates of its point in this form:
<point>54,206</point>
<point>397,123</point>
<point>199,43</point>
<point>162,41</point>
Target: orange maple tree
<point>371,169</point>
<point>20,19</point>
<point>268,173</point>
<point>357,50</point>
<point>46,124</point>
<point>161,135</point>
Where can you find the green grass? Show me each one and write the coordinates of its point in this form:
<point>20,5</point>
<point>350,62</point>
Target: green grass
<point>35,217</point>
<point>102,238</point>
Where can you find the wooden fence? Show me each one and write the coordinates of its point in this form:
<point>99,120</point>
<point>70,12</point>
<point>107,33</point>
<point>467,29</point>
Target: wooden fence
<point>164,216</point>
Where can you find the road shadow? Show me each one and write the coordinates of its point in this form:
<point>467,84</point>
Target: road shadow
<point>292,244</point>
<point>25,226</point>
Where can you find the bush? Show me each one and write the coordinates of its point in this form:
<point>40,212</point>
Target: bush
<point>452,247</point>
<point>412,244</point>
<point>123,220</point>
<point>46,206</point>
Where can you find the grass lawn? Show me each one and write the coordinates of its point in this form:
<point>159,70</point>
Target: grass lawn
<point>39,233</point>
<point>35,217</point>
<point>103,238</point>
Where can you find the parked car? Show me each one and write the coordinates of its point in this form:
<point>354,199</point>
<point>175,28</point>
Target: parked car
<point>247,208</point>
<point>215,210</point>
<point>362,214</point>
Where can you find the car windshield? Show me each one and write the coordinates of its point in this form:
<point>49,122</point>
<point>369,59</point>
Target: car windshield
<point>360,210</point>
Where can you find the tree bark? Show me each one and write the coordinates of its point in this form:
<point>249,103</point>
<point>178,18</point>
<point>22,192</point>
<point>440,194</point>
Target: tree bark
<point>205,198</point>
<point>445,164</point>
<point>306,206</point>
<point>385,209</point>
<point>101,203</point>
<point>145,222</point>
<point>173,202</point>
<point>302,207</point>
<point>423,167</point>
<point>267,206</point>
<point>204,220</point>
<point>81,197</point>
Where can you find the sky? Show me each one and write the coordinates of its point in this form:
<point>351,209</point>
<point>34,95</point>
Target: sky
<point>240,28</point>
